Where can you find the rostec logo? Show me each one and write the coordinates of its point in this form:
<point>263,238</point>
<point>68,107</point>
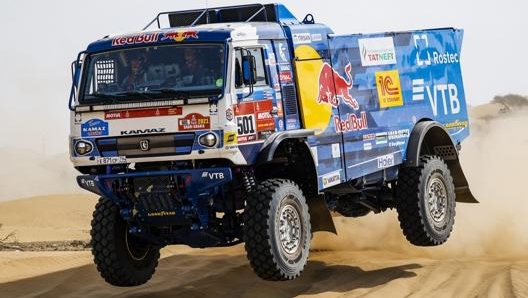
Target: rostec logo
<point>425,57</point>
<point>135,39</point>
<point>333,86</point>
<point>180,35</point>
<point>445,95</point>
<point>389,89</point>
<point>377,51</point>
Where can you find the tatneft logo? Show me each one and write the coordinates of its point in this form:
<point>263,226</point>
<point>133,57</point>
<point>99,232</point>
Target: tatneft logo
<point>377,51</point>
<point>443,96</point>
<point>426,56</point>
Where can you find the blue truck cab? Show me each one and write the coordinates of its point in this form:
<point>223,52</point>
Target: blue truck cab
<point>243,124</point>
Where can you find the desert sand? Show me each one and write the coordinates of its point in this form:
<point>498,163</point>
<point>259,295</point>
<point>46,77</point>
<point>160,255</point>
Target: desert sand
<point>486,255</point>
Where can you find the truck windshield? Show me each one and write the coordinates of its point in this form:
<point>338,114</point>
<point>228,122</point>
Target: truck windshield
<point>156,72</point>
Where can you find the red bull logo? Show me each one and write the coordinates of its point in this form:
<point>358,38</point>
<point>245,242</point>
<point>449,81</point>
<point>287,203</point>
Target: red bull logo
<point>333,87</point>
<point>351,123</point>
<point>180,35</point>
<point>135,39</point>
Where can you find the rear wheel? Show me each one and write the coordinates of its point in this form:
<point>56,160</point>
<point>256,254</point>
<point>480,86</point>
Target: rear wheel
<point>426,202</point>
<point>122,259</point>
<point>277,230</point>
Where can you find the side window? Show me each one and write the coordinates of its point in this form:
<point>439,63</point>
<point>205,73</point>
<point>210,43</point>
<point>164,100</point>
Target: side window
<point>262,79</point>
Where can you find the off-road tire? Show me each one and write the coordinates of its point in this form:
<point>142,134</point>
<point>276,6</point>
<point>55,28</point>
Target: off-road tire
<point>277,207</point>
<point>121,259</point>
<point>425,200</point>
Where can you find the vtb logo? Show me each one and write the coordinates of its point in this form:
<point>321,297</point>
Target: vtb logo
<point>144,145</point>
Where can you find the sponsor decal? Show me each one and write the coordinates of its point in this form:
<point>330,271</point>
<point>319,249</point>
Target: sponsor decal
<point>94,128</point>
<point>300,38</point>
<point>125,114</point>
<point>399,134</point>
<point>331,179</point>
<point>377,51</point>
<point>385,161</point>
<point>135,39</point>
<point>333,87</point>
<point>194,121</point>
<point>381,138</point>
<point>229,114</point>
<point>336,150</point>
<point>367,146</point>
<point>426,57</point>
<point>180,35</point>
<point>351,123</point>
<point>253,117</point>
<point>440,96</point>
<point>161,213</point>
<point>389,89</point>
<point>213,109</point>
<point>142,131</point>
<point>286,76</point>
<point>396,143</point>
<point>213,175</point>
<point>369,137</point>
<point>317,37</point>
<point>230,138</point>
<point>78,118</point>
<point>457,124</point>
<point>282,52</point>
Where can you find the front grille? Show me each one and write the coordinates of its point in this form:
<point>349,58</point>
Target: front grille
<point>147,145</point>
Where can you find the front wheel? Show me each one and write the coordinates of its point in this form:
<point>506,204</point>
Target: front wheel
<point>277,230</point>
<point>122,259</point>
<point>426,202</point>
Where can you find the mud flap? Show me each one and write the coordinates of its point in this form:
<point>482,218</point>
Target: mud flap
<point>320,217</point>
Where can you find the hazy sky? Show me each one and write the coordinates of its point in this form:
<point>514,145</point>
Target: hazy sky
<point>42,38</point>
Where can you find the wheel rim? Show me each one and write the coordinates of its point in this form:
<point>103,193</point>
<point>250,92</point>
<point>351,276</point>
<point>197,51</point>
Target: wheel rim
<point>437,199</point>
<point>290,230</point>
<point>135,250</point>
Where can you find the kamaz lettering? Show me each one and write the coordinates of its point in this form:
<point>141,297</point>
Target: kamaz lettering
<point>142,131</point>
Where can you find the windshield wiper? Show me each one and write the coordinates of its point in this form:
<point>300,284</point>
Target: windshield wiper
<point>106,96</point>
<point>135,93</point>
<point>175,92</point>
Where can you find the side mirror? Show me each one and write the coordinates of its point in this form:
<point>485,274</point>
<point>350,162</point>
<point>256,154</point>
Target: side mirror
<point>249,69</point>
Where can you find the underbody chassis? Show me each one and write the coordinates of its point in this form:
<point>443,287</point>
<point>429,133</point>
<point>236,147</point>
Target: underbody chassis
<point>196,207</point>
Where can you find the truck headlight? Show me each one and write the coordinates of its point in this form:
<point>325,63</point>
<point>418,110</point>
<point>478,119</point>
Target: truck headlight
<point>83,147</point>
<point>208,140</point>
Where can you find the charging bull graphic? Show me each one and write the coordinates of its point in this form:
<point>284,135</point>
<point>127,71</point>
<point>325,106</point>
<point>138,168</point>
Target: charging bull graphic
<point>333,86</point>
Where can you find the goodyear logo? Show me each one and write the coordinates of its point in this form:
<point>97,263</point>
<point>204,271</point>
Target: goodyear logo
<point>389,89</point>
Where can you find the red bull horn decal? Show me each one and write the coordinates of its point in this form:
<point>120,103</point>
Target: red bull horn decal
<point>180,35</point>
<point>333,86</point>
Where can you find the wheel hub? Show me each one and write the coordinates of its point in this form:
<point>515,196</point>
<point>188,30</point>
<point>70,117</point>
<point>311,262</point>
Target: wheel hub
<point>437,199</point>
<point>289,229</point>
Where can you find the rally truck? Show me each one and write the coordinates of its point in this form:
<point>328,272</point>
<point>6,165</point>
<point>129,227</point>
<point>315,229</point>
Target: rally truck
<point>243,124</point>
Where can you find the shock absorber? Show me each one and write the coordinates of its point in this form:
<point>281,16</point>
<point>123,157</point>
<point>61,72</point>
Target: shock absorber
<point>248,180</point>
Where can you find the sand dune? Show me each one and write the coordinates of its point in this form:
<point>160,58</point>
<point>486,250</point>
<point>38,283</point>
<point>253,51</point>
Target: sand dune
<point>486,255</point>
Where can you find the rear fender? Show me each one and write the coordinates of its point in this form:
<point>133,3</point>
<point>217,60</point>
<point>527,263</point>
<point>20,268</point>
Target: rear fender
<point>430,137</point>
